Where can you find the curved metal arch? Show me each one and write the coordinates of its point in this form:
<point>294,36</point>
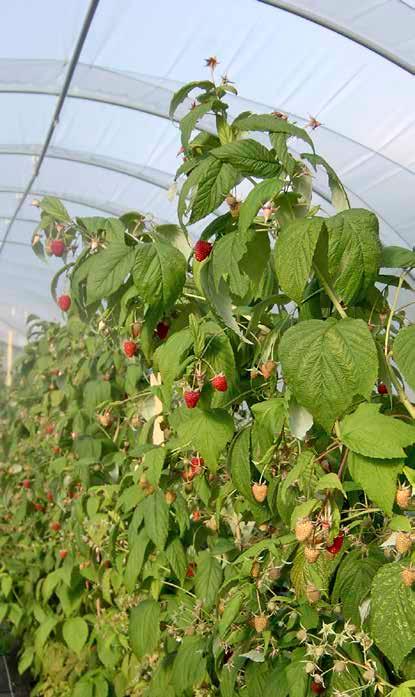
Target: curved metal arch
<point>149,175</point>
<point>343,31</point>
<point>87,202</point>
<point>119,100</point>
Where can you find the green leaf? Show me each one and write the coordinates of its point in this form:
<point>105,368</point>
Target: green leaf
<point>83,688</point>
<point>208,578</point>
<point>226,255</point>
<point>184,91</point>
<point>328,363</point>
<point>297,678</point>
<point>294,253</point>
<point>95,392</point>
<point>159,272</point>
<point>75,633</point>
<point>354,252</point>
<point>170,356</point>
<point>135,560</point>
<point>177,558</point>
<point>42,633</point>
<point>397,258</point>
<point>404,353</point>
<point>330,481</point>
<point>144,628</point>
<point>249,157</point>
<point>156,518</point>
<point>269,421</point>
<point>173,234</point>
<point>393,614</point>
<point>206,187</point>
<point>219,298</point>
<point>188,122</point>
<point>206,431</point>
<point>377,478</point>
<point>401,691</point>
<point>272,124</point>
<point>260,194</point>
<point>108,270</point>
<point>354,579</point>
<point>339,196</point>
<point>189,667</point>
<point>372,434</point>
<point>55,208</point>
<point>230,613</point>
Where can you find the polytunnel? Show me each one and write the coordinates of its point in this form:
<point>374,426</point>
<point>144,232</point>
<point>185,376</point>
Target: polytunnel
<point>84,94</point>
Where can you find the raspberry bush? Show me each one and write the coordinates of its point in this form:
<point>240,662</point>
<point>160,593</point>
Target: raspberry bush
<point>207,470</point>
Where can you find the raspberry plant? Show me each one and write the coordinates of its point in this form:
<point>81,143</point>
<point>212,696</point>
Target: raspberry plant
<point>207,471</point>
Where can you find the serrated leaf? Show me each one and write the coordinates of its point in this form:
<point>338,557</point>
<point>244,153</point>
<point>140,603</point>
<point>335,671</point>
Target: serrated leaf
<point>339,196</point>
<point>188,122</point>
<point>189,667</point>
<point>372,434</point>
<point>354,252</point>
<point>159,272</point>
<point>273,124</point>
<point>170,355</point>
<point>55,208</point>
<point>156,518</point>
<point>108,269</point>
<point>75,633</point>
<point>174,235</point>
<point>135,559</point>
<point>219,298</point>
<point>397,258</point>
<point>327,363</point>
<point>353,580</point>
<point>330,481</point>
<point>268,424</point>
<point>260,194</point>
<point>404,353</point>
<point>206,431</point>
<point>393,614</point>
<point>230,613</point>
<point>249,157</point>
<point>377,478</point>
<point>144,628</point>
<point>317,574</point>
<point>206,188</point>
<point>183,92</point>
<point>294,253</point>
<point>177,558</point>
<point>208,578</point>
<point>226,255</point>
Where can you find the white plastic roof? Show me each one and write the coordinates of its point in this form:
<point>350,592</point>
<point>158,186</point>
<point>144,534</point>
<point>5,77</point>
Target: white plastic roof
<point>350,64</point>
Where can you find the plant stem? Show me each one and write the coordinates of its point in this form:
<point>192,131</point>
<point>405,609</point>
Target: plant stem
<point>343,461</point>
<point>330,292</point>
<point>410,408</point>
<point>392,312</point>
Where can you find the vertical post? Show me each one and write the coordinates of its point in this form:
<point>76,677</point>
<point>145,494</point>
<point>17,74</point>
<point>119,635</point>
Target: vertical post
<point>9,360</point>
<point>158,435</point>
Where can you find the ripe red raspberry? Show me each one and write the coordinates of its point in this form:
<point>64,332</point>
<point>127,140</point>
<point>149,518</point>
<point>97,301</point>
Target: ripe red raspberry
<point>196,463</point>
<point>337,544</point>
<point>49,429</point>
<point>382,389</point>
<point>196,516</point>
<point>191,397</point>
<point>317,688</point>
<point>55,526</point>
<point>26,483</point>
<point>130,348</point>
<point>57,248</point>
<point>39,507</point>
<point>219,382</point>
<point>162,330</point>
<point>64,302</point>
<point>191,570</point>
<point>49,496</point>
<point>202,250</point>
<point>63,553</point>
